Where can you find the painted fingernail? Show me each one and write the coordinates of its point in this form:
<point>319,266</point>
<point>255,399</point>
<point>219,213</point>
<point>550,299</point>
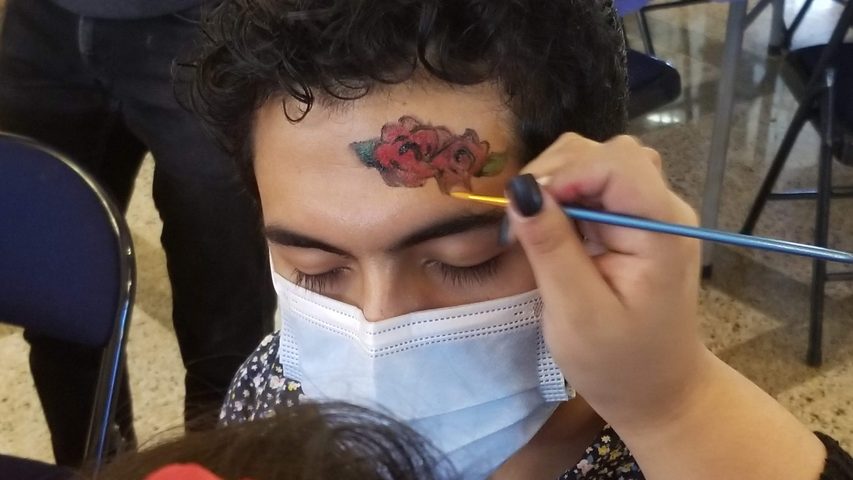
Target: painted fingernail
<point>525,194</point>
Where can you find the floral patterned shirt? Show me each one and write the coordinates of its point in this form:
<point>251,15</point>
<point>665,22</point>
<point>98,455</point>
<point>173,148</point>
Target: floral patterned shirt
<point>261,385</point>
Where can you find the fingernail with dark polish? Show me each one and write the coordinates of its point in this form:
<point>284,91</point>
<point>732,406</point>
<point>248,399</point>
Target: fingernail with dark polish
<point>525,194</point>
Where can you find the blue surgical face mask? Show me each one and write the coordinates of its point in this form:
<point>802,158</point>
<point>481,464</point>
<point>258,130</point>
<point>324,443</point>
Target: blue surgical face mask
<point>477,380</point>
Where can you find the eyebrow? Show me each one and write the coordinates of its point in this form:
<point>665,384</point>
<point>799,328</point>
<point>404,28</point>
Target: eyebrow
<point>443,228</point>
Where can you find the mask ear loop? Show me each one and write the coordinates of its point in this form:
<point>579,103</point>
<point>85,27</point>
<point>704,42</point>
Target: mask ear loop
<point>277,313</point>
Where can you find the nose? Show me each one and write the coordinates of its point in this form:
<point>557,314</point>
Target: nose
<point>387,293</point>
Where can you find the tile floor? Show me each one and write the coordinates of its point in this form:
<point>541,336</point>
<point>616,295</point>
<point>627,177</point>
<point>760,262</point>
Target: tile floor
<point>754,309</point>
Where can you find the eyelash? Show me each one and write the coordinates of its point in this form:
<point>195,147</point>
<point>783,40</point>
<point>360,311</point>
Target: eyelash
<point>479,274</point>
<point>316,283</point>
<point>456,276</point>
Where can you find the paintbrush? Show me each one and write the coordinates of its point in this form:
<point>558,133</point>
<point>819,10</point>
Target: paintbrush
<point>718,236</point>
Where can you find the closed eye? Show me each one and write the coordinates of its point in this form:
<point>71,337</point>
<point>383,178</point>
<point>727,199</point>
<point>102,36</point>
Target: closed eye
<point>451,274</point>
<point>317,282</point>
<point>474,274</point>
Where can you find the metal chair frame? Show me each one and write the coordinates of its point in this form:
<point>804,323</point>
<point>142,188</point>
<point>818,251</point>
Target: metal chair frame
<point>817,100</point>
<point>103,410</point>
<point>788,34</point>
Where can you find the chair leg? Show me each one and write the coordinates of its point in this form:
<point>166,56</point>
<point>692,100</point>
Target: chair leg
<point>643,24</point>
<point>814,356</point>
<point>104,408</point>
<point>624,33</point>
<point>800,118</point>
<point>795,24</point>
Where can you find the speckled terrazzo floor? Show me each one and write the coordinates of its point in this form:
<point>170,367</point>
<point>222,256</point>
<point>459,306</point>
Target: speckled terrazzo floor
<point>754,309</point>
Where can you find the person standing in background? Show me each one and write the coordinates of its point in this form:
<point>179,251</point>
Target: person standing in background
<point>92,78</point>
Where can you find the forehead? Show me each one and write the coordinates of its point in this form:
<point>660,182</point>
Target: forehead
<point>309,176</point>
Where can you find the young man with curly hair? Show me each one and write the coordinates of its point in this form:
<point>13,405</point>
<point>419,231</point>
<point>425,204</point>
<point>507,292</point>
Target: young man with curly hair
<point>519,358</point>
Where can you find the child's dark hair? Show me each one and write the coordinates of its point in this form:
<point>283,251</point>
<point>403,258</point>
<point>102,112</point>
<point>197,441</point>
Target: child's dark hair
<point>560,63</point>
<point>316,441</point>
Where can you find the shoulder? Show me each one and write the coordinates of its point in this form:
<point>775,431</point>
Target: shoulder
<point>259,386</point>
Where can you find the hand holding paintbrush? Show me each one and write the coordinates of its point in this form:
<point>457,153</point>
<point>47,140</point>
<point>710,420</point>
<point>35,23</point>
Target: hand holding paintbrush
<point>623,325</point>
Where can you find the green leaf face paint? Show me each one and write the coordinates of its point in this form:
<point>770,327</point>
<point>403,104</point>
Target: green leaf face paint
<point>494,165</point>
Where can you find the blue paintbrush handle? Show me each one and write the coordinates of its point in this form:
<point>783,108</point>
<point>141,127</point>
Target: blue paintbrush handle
<point>718,236</point>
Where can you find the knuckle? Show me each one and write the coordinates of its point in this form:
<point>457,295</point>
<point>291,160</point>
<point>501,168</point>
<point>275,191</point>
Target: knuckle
<point>688,214</point>
<point>570,136</point>
<point>692,217</point>
<point>625,141</point>
<point>679,211</point>
<point>653,156</point>
<point>572,139</point>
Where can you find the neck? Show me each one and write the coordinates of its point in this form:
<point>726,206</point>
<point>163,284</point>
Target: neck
<point>557,446</point>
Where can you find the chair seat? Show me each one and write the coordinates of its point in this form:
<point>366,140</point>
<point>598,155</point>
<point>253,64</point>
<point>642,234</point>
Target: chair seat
<point>652,83</point>
<point>25,469</point>
<point>801,64</point>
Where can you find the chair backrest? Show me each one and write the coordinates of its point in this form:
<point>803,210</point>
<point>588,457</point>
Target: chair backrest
<point>66,264</point>
<point>805,69</point>
<point>67,267</point>
<point>652,83</point>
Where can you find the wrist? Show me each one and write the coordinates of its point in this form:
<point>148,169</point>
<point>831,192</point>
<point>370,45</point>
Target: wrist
<point>673,401</point>
<point>724,419</point>
<point>682,407</point>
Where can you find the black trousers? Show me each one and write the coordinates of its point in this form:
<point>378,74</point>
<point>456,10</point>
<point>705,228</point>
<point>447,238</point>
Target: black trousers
<point>101,91</point>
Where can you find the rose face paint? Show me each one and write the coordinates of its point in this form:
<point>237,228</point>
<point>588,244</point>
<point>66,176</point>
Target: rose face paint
<point>409,152</point>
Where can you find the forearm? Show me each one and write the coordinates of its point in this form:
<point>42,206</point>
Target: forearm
<point>727,428</point>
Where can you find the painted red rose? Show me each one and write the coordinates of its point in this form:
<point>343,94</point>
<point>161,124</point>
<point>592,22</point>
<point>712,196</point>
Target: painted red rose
<point>404,151</point>
<point>408,153</point>
<point>459,160</point>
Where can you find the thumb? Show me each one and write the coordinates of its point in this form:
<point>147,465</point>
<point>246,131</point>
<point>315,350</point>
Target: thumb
<point>565,274</point>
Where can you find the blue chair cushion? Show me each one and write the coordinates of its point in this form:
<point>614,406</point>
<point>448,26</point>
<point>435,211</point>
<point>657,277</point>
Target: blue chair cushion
<point>24,469</point>
<point>59,261</point>
<point>802,63</point>
<point>627,7</point>
<point>652,83</point>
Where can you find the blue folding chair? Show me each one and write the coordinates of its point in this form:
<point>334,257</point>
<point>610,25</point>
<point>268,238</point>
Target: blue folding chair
<point>67,268</point>
<point>652,82</point>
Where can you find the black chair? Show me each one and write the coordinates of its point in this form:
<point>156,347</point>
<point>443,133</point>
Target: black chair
<point>67,266</point>
<point>789,32</point>
<point>652,83</point>
<point>643,22</point>
<point>817,76</point>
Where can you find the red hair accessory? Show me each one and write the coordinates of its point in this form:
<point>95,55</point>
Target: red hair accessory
<point>182,471</point>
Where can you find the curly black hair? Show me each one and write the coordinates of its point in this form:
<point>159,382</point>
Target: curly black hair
<point>309,441</point>
<point>560,63</point>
